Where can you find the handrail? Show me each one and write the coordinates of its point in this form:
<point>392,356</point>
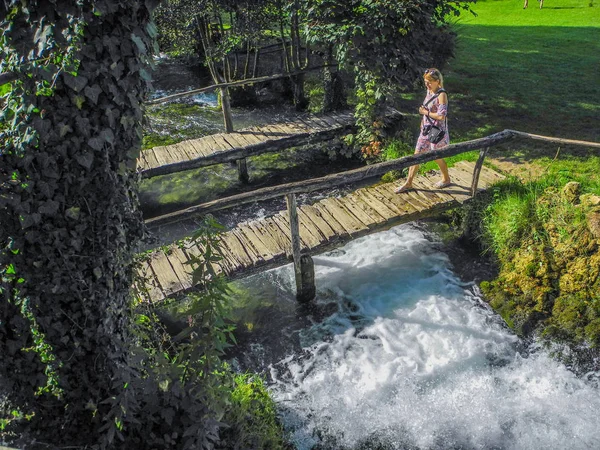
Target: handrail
<point>356,175</point>
<point>236,83</point>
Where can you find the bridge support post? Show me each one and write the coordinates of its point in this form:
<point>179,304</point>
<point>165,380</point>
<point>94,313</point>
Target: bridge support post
<point>477,170</point>
<point>228,121</point>
<point>304,268</point>
<point>242,170</point>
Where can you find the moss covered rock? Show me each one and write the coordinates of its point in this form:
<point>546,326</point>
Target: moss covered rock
<point>550,279</point>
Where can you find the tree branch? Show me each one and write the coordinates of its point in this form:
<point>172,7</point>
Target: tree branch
<point>235,83</point>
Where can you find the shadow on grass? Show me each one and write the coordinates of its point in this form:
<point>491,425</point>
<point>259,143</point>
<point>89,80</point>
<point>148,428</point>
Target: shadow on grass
<point>536,79</point>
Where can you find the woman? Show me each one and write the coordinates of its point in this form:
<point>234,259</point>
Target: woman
<point>434,110</point>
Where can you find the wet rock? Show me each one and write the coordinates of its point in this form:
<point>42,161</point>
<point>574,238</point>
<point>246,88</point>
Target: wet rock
<point>590,200</point>
<point>593,223</point>
<point>571,192</point>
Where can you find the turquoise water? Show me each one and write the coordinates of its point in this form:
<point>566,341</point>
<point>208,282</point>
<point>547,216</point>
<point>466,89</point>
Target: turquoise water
<point>410,357</point>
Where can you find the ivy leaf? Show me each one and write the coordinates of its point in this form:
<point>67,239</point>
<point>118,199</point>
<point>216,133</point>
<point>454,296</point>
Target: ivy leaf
<point>41,38</point>
<point>92,92</point>
<point>112,116</point>
<point>85,159</point>
<point>77,83</point>
<point>73,213</point>
<point>49,208</point>
<point>108,135</point>
<point>64,129</point>
<point>139,43</point>
<point>145,75</point>
<point>96,143</point>
<point>79,100</point>
<point>5,89</point>
<point>152,30</point>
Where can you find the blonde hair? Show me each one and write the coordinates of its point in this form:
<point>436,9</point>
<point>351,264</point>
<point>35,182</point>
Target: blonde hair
<point>434,74</point>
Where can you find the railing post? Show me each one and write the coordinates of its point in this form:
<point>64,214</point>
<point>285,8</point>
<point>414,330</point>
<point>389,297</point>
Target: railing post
<point>304,271</point>
<point>477,170</point>
<point>228,120</point>
<point>226,107</point>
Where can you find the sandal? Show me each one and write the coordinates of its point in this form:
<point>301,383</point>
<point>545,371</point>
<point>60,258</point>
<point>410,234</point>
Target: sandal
<point>442,184</point>
<point>403,188</point>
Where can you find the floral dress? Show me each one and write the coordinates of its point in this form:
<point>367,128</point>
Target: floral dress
<point>434,106</point>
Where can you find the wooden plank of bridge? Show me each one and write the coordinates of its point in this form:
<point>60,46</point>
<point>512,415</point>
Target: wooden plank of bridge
<point>263,235</point>
<point>261,249</point>
<point>461,182</point>
<point>343,216</point>
<point>376,204</point>
<point>248,246</point>
<point>236,250</point>
<point>196,250</point>
<point>339,229</point>
<point>408,203</point>
<point>357,202</point>
<point>219,144</point>
<point>165,275</point>
<point>313,229</point>
<point>203,151</point>
<point>199,147</point>
<point>282,237</point>
<point>349,204</point>
<point>316,123</point>
<point>487,176</point>
<point>306,238</point>
<point>308,231</point>
<point>151,285</point>
<point>317,219</point>
<point>178,261</point>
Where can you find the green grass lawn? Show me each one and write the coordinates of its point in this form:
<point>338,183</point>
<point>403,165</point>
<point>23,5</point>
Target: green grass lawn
<point>531,70</point>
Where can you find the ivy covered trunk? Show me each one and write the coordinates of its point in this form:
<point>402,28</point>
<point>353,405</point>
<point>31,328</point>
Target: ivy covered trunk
<point>69,211</point>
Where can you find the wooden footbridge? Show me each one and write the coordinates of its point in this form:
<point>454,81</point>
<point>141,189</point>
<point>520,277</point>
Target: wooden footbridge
<point>299,232</point>
<point>328,223</point>
<point>238,145</point>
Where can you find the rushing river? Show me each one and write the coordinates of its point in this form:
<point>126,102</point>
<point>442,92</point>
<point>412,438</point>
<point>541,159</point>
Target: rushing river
<point>407,356</point>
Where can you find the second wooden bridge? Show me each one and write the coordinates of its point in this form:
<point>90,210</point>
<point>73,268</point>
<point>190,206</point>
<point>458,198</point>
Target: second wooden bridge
<point>238,145</point>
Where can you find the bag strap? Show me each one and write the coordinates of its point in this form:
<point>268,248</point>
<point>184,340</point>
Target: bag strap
<point>437,94</point>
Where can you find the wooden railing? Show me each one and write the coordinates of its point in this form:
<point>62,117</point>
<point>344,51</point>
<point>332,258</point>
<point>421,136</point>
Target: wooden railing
<point>371,171</point>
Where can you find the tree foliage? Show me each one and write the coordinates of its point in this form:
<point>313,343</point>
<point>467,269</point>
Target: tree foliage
<point>383,45</point>
<point>386,44</point>
<point>81,367</point>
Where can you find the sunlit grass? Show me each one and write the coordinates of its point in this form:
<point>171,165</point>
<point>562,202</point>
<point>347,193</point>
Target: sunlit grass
<point>530,70</point>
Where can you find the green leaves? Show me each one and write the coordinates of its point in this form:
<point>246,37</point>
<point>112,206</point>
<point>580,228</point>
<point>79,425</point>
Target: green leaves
<point>77,83</point>
<point>139,43</point>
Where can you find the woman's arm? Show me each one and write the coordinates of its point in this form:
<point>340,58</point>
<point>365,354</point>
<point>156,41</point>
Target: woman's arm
<point>442,100</point>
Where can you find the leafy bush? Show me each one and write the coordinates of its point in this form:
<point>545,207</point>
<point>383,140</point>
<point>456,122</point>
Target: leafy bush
<point>187,396</point>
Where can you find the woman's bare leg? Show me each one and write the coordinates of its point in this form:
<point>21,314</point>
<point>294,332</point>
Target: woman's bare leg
<point>444,169</point>
<point>412,171</point>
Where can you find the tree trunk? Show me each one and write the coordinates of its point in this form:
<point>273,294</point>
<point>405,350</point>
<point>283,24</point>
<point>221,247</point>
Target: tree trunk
<point>72,222</point>
<point>300,100</point>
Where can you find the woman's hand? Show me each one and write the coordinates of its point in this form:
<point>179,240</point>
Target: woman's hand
<point>424,111</point>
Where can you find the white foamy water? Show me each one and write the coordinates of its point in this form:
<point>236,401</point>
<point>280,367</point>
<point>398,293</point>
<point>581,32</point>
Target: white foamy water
<point>413,359</point>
